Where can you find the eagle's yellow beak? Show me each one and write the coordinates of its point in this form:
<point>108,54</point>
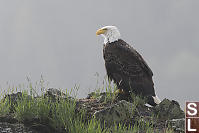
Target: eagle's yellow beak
<point>101,31</point>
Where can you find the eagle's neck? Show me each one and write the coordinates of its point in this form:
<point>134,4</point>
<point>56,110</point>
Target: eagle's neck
<point>111,36</point>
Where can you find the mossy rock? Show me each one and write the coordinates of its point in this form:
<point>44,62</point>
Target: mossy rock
<point>168,109</point>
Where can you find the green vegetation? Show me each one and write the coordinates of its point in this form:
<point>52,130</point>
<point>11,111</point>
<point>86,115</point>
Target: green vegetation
<point>4,107</point>
<point>60,113</point>
<point>110,91</point>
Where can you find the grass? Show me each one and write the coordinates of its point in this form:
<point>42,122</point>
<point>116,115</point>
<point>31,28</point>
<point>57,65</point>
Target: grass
<point>4,107</point>
<point>61,114</point>
<point>109,88</point>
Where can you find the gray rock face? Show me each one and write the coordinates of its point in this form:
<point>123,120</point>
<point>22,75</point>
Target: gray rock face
<point>117,113</point>
<point>8,124</point>
<point>168,109</point>
<point>177,124</point>
<point>56,94</point>
<point>13,128</point>
<point>168,112</point>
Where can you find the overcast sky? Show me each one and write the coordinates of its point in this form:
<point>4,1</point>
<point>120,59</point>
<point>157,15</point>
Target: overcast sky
<point>56,39</point>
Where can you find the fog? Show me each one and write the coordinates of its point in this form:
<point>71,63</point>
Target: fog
<point>57,39</point>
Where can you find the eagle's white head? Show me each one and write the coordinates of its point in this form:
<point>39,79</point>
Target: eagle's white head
<point>110,33</point>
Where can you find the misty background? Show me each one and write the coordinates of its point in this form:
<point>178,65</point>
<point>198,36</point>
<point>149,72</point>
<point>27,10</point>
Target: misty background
<point>56,39</point>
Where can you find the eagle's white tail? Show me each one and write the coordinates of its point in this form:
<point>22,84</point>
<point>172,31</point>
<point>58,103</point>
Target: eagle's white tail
<point>156,99</point>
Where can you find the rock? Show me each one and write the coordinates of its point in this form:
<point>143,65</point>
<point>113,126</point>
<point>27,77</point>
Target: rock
<point>103,107</point>
<point>116,113</point>
<point>12,128</point>
<point>101,97</point>
<point>51,92</point>
<point>177,124</point>
<point>8,118</point>
<point>13,98</point>
<point>56,94</point>
<point>6,127</point>
<point>10,125</point>
<point>90,106</point>
<point>168,109</point>
<point>91,95</point>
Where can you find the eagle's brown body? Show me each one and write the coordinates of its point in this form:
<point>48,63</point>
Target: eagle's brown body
<point>126,67</point>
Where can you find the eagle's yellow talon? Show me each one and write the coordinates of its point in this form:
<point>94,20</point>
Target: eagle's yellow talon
<point>119,91</point>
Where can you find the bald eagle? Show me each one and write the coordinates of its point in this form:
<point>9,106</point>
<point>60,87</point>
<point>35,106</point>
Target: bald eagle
<point>126,67</point>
